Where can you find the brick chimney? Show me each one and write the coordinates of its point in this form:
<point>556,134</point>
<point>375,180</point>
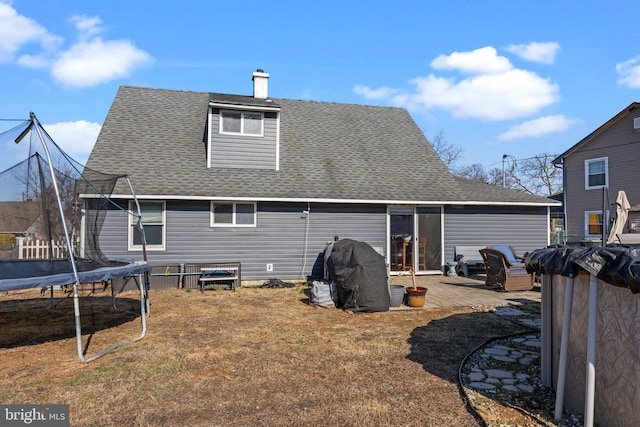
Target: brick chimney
<point>260,84</point>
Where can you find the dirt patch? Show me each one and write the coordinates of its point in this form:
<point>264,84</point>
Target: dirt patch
<point>250,357</point>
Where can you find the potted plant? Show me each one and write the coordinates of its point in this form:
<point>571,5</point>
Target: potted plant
<point>415,294</point>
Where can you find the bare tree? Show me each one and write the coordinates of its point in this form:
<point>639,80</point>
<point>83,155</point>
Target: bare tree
<point>495,177</point>
<point>474,172</point>
<point>536,175</point>
<point>449,153</point>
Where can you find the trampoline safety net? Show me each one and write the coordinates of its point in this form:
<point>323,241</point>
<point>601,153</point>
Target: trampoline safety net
<point>29,207</point>
<point>52,210</point>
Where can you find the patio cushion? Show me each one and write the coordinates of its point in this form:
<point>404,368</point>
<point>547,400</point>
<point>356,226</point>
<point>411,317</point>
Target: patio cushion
<point>508,253</point>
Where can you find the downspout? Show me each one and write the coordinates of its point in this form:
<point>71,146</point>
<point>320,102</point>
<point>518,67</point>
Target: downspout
<point>307,216</point>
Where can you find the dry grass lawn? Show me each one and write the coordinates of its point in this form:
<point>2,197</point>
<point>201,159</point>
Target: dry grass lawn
<point>247,358</point>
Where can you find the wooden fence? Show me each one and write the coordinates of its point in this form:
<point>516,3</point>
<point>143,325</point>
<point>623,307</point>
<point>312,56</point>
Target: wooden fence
<point>38,249</point>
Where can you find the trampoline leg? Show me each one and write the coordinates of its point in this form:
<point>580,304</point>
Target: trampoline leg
<point>76,311</point>
<point>113,295</point>
<point>144,304</point>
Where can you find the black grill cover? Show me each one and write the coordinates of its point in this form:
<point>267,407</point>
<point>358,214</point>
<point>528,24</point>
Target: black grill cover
<point>360,275</point>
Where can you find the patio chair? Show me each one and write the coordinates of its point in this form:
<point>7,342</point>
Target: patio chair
<point>501,272</point>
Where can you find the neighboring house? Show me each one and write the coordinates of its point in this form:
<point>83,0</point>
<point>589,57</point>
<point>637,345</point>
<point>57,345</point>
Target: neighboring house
<point>595,169</point>
<point>269,181</point>
<point>19,218</point>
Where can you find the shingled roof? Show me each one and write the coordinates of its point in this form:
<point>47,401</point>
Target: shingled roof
<point>328,152</point>
<point>18,217</point>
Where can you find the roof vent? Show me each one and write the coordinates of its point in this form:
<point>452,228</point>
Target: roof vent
<point>260,84</point>
<point>636,123</point>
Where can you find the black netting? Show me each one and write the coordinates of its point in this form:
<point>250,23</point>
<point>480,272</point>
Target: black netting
<point>30,205</point>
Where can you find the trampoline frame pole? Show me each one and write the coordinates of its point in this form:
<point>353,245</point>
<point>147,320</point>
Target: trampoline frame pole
<point>144,282</point>
<point>72,260</point>
<point>590,381</point>
<point>564,347</point>
<point>143,319</point>
<point>76,298</point>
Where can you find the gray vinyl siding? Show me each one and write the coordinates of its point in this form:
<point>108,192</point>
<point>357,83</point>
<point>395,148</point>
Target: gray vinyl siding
<point>525,229</point>
<point>278,239</point>
<point>244,151</point>
<point>620,144</point>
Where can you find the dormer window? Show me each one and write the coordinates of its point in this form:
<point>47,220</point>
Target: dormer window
<point>242,123</point>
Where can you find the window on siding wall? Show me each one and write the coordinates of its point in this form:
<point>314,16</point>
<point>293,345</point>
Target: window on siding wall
<point>596,173</point>
<point>593,223</point>
<point>241,123</point>
<point>227,214</point>
<point>153,220</point>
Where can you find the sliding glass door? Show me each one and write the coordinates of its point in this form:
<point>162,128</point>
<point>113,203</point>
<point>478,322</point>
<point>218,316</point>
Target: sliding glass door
<point>415,239</point>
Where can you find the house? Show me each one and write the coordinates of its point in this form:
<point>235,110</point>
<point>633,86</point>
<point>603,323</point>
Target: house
<point>595,169</point>
<point>20,218</point>
<point>269,181</point>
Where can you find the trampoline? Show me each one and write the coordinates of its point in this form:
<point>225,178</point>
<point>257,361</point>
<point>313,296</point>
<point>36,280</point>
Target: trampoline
<point>72,204</point>
<point>26,274</point>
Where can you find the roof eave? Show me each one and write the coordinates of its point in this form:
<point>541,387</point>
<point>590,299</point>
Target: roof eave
<point>560,159</point>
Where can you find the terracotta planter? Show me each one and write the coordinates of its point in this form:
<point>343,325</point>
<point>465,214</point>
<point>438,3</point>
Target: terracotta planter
<point>415,296</point>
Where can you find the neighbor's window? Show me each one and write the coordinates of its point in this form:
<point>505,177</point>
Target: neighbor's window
<point>596,171</point>
<point>593,221</point>
<point>153,221</point>
<point>233,214</point>
<point>241,123</point>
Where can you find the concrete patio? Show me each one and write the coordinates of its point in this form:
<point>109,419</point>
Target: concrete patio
<point>447,292</point>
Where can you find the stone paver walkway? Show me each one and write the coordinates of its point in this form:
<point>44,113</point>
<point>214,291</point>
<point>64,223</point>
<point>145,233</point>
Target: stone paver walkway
<point>503,367</point>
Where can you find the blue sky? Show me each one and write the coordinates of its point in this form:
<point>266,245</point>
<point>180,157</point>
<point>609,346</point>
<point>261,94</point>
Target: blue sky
<point>497,77</point>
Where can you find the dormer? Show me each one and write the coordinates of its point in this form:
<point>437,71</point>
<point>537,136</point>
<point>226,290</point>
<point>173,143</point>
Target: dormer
<point>244,131</point>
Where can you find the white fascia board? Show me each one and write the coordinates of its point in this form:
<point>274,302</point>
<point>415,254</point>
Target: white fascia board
<point>320,200</point>
<point>209,124</point>
<point>242,107</point>
<point>278,141</point>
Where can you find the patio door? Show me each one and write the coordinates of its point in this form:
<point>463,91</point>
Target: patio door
<point>415,239</point>
<point>429,245</point>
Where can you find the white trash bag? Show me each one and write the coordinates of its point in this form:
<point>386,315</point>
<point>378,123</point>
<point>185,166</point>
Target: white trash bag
<point>322,294</point>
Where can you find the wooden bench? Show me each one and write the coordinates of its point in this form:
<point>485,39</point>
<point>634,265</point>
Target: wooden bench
<point>468,258</point>
<point>220,274</point>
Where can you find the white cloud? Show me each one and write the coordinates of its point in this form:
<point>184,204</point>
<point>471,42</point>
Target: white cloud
<point>368,93</point>
<point>629,72</point>
<point>88,64</point>
<point>87,26</point>
<point>537,127</point>
<point>90,61</point>
<point>543,53</point>
<point>17,31</point>
<point>41,60</point>
<point>75,138</point>
<point>480,61</point>
<point>509,95</point>
<point>493,90</point>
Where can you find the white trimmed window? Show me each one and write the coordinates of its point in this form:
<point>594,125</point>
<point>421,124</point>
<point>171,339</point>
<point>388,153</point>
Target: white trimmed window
<point>230,214</point>
<point>596,173</point>
<point>235,122</point>
<point>153,221</point>
<point>593,223</point>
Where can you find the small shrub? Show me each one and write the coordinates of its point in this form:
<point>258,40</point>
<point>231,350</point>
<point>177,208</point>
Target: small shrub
<point>7,240</point>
